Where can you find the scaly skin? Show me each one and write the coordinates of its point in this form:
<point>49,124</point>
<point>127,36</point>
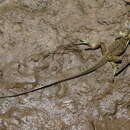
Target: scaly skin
<point>111,54</point>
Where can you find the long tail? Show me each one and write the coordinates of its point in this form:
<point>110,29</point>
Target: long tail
<point>93,68</point>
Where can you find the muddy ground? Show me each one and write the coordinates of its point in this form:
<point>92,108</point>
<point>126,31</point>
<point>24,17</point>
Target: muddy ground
<point>37,40</point>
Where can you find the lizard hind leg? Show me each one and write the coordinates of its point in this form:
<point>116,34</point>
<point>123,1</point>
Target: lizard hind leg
<point>119,68</point>
<point>114,59</point>
<point>94,46</point>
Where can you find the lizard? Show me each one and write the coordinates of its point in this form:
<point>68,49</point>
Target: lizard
<point>112,53</point>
